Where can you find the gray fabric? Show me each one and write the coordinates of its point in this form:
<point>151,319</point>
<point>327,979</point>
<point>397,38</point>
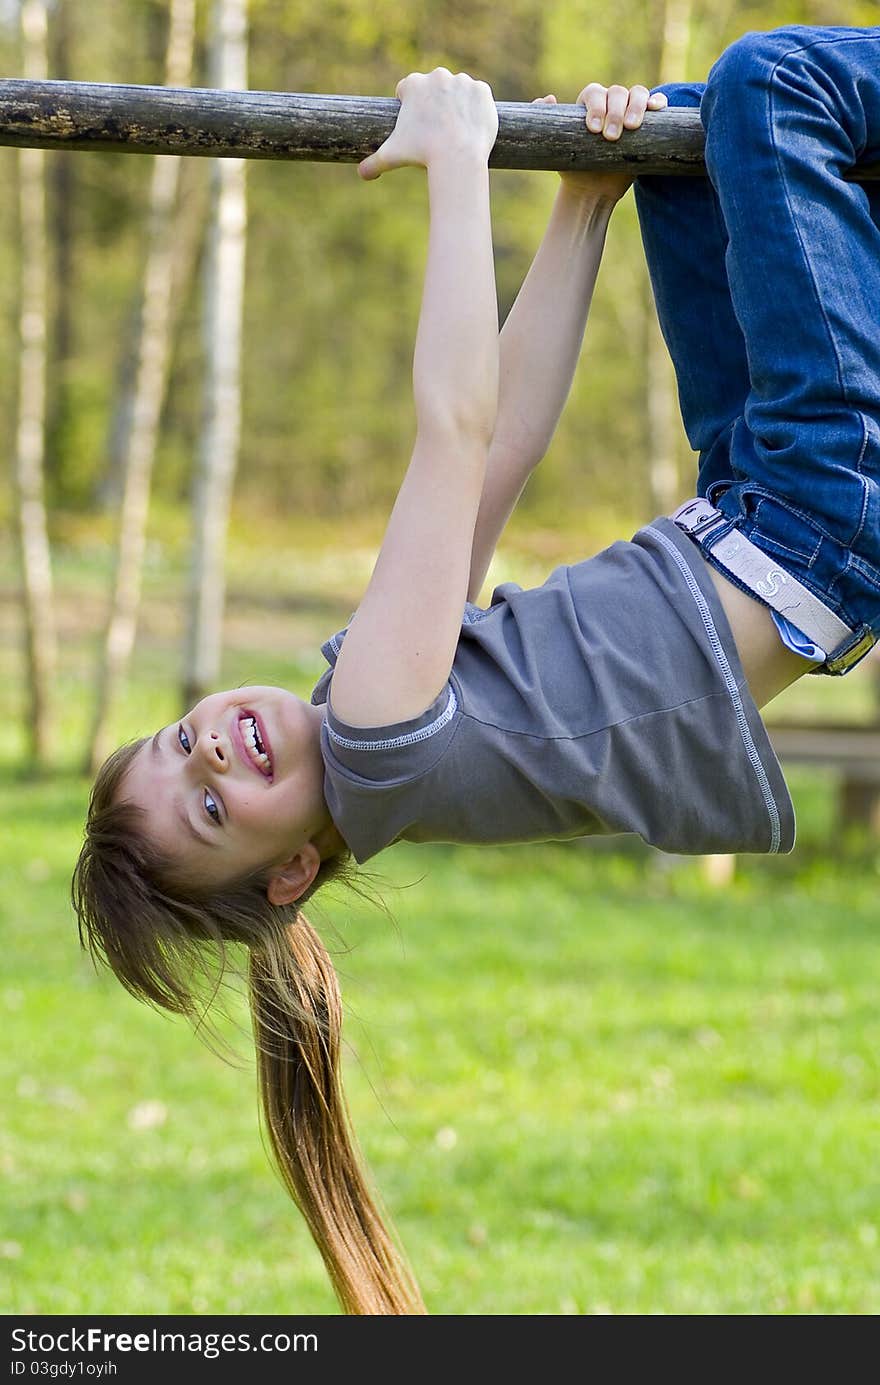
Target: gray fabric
<point>611,699</point>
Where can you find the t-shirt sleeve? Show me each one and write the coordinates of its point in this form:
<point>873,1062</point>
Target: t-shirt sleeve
<point>375,778</point>
<point>393,753</point>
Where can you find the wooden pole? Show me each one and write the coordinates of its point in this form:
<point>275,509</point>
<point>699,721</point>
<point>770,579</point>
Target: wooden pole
<point>328,129</point>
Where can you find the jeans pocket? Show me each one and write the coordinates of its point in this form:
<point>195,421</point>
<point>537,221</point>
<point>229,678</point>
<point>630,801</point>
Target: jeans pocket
<point>785,534</point>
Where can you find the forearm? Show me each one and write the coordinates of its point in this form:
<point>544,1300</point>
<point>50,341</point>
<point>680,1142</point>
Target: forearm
<point>455,365</point>
<point>539,348</point>
<point>544,331</point>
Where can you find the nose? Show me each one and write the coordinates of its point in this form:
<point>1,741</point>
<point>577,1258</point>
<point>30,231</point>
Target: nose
<point>215,752</point>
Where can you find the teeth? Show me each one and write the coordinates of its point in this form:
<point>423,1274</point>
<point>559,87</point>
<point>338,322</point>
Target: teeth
<point>252,743</point>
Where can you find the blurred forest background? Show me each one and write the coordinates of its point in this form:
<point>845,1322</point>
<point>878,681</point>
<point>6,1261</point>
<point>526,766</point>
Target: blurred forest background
<point>332,276</point>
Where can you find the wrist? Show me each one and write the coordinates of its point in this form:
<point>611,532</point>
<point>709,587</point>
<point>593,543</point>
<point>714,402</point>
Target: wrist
<point>582,214</point>
<point>453,165</point>
<point>589,193</point>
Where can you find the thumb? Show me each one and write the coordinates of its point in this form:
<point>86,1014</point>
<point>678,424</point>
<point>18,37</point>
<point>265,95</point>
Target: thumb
<point>386,157</point>
<point>371,168</point>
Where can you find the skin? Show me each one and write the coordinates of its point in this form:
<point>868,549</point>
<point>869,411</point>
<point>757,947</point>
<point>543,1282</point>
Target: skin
<point>196,772</point>
<point>197,767</point>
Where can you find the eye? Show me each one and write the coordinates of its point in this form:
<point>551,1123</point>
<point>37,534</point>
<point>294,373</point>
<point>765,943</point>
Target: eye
<point>211,807</point>
<point>184,740</point>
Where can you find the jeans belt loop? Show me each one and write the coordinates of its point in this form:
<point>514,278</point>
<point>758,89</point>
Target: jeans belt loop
<point>777,588</point>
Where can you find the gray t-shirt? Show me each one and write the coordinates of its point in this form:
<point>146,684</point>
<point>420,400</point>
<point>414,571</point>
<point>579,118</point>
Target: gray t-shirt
<point>611,699</point>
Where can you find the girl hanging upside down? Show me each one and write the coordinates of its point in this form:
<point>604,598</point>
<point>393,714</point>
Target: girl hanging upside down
<point>620,696</point>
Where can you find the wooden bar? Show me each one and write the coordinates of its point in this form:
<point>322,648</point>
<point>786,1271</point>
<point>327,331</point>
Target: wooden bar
<point>206,123</point>
<point>335,129</point>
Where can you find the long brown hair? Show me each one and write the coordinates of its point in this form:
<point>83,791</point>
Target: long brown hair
<point>166,943</point>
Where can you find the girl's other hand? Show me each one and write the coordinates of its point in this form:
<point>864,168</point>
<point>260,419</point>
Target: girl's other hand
<point>609,111</point>
<point>441,117</point>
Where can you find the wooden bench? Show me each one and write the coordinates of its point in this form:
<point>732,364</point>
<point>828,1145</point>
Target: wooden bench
<point>853,751</point>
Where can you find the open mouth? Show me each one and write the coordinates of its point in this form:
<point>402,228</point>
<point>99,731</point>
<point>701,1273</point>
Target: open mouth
<point>255,744</point>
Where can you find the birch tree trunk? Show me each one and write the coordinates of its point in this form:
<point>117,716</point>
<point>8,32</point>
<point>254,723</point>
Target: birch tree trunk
<point>661,401</point>
<point>37,602</point>
<point>141,411</point>
<point>218,448</point>
<point>61,187</point>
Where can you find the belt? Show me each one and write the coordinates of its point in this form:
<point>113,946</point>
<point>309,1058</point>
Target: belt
<point>763,577</point>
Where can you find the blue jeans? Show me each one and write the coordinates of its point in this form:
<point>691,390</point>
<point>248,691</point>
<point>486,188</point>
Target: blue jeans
<point>766,277</point>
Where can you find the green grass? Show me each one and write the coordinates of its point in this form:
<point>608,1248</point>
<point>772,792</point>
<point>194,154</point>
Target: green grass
<point>586,1080</point>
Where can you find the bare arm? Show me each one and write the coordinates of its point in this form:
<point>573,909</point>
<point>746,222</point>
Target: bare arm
<point>542,336</point>
<point>399,649</point>
<point>539,348</point>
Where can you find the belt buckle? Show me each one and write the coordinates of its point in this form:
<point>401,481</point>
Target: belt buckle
<point>863,642</point>
<point>710,517</point>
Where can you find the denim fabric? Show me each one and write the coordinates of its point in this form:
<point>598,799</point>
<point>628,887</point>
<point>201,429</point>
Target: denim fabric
<point>766,276</point>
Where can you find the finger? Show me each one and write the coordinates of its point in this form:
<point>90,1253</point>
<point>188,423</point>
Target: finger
<point>544,101</point>
<point>636,107</point>
<point>657,100</point>
<point>374,165</point>
<point>617,101</point>
<point>594,97</point>
<point>412,79</point>
<point>371,168</point>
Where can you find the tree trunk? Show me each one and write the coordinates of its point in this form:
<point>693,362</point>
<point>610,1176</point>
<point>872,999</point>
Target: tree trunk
<point>141,412</point>
<point>661,408</point>
<point>186,235</point>
<point>62,193</point>
<point>218,449</point>
<point>37,603</point>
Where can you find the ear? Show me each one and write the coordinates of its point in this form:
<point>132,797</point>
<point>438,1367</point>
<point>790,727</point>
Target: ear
<point>292,879</point>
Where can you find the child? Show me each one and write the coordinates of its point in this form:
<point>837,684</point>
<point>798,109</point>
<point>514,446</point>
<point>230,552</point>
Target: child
<point>620,696</point>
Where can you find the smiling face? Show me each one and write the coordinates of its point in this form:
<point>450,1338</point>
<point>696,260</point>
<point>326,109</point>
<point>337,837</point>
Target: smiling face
<point>236,786</point>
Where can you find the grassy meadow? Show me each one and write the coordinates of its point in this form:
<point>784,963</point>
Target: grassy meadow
<point>586,1079</point>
